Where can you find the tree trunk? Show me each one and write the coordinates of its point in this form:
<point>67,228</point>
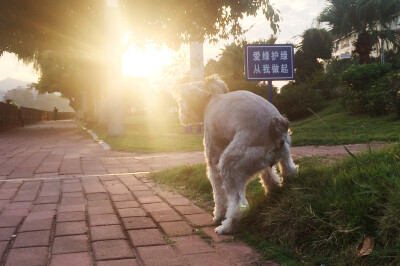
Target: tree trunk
<point>196,62</point>
<point>363,47</point>
<point>116,111</point>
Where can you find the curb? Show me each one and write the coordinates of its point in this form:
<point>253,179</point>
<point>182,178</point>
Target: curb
<point>96,138</point>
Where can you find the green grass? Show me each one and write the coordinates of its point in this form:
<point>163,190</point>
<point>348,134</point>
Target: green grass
<point>153,133</point>
<point>344,128</point>
<point>323,215</point>
<point>190,181</point>
<point>163,132</point>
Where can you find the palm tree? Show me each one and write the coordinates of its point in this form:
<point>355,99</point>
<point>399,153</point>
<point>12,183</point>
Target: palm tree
<point>363,17</point>
<point>316,44</point>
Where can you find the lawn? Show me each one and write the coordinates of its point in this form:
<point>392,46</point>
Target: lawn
<point>340,127</point>
<point>163,132</point>
<point>153,133</point>
<point>321,217</point>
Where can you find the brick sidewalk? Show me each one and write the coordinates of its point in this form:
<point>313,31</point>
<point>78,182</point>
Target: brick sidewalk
<point>66,201</point>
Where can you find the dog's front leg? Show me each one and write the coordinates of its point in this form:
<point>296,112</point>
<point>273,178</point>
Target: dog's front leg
<point>287,167</point>
<point>269,178</point>
<point>232,214</point>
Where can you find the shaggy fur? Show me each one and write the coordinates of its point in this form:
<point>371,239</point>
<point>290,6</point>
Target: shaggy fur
<point>243,135</point>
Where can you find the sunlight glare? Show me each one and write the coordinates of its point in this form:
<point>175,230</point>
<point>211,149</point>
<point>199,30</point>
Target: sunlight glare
<point>147,62</point>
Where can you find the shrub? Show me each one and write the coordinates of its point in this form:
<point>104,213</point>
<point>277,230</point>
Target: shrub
<point>393,58</point>
<point>398,103</point>
<point>259,88</point>
<point>295,99</point>
<point>369,90</point>
<point>359,77</point>
<point>327,84</point>
<point>394,92</point>
<point>338,66</point>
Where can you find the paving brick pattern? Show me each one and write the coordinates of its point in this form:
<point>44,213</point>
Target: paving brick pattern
<point>66,201</point>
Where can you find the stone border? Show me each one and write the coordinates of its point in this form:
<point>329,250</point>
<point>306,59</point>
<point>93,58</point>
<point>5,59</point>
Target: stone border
<point>96,139</point>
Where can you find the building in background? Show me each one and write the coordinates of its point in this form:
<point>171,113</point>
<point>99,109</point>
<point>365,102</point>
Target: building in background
<point>343,47</point>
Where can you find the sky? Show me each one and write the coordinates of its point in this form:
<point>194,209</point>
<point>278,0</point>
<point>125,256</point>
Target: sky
<point>296,15</point>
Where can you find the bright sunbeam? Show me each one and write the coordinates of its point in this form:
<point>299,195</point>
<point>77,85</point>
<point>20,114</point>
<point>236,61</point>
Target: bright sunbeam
<point>147,62</point>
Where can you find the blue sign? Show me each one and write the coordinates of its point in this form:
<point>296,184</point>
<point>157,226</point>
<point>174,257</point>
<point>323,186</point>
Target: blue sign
<point>269,62</point>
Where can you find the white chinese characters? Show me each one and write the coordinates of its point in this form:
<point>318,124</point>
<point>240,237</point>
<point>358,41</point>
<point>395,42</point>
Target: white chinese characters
<point>270,62</point>
<point>256,56</point>
<point>284,69</point>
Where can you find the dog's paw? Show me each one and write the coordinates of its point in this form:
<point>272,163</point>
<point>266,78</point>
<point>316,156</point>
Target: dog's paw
<point>219,230</point>
<point>225,228</point>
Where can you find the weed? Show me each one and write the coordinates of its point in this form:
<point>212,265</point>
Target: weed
<point>204,236</point>
<point>168,240</point>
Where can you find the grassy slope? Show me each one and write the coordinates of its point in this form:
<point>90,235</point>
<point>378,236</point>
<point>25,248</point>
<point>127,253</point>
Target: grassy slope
<point>322,216</point>
<point>163,133</point>
<point>344,128</point>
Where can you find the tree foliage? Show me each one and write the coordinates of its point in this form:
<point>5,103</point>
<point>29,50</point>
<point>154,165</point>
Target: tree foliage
<point>65,38</point>
<point>177,21</point>
<point>316,44</point>
<point>369,18</point>
<point>308,91</point>
<point>231,69</point>
<point>70,75</point>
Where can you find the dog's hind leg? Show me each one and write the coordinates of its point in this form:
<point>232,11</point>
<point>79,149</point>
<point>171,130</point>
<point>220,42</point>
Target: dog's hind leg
<point>218,193</point>
<point>212,156</point>
<point>287,167</point>
<point>269,178</point>
<point>237,203</point>
<point>237,164</point>
<point>232,213</point>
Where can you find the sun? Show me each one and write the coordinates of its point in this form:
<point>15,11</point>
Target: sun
<point>147,62</point>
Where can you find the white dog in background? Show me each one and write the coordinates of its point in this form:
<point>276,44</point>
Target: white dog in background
<point>243,134</point>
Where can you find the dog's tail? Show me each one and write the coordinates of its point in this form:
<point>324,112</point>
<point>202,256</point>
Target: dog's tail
<point>278,129</point>
<point>215,85</point>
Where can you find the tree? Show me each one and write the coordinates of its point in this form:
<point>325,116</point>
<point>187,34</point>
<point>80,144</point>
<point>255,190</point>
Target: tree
<point>369,18</point>
<point>316,44</point>
<point>230,67</point>
<point>69,34</point>
<point>230,61</point>
<point>177,21</point>
<point>62,38</point>
<point>70,75</point>
<point>296,97</point>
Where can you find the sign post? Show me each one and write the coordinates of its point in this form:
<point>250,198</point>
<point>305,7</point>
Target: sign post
<point>268,62</point>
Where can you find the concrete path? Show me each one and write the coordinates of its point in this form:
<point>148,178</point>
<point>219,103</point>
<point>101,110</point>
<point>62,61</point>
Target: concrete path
<point>64,200</point>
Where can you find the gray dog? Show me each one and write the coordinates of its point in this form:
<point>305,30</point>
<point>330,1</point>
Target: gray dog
<point>243,135</point>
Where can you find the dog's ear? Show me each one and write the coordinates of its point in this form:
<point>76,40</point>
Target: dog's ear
<point>194,94</point>
<point>278,127</point>
<point>216,85</point>
<point>192,99</point>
